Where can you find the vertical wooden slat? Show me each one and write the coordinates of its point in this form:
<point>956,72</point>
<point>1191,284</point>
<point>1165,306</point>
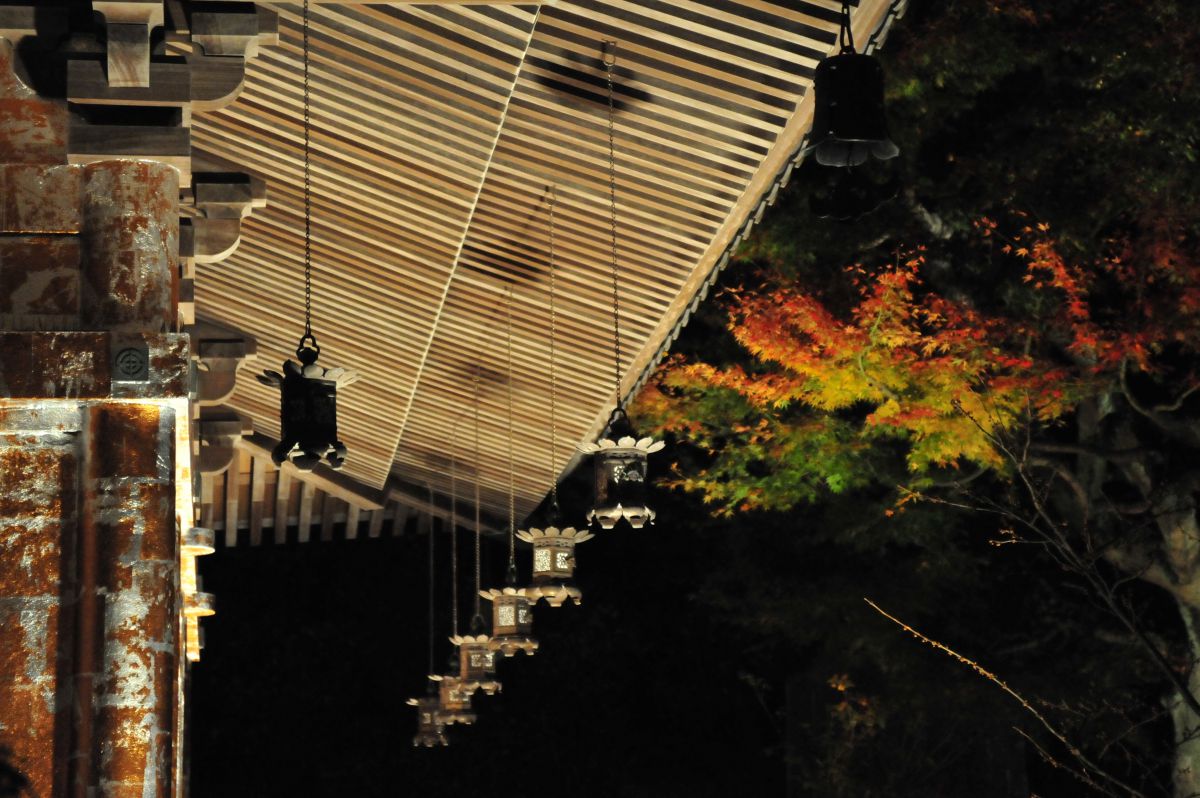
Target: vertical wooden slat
<point>207,511</point>
<point>283,491</point>
<point>232,476</point>
<point>328,509</point>
<point>306,509</point>
<point>376,523</point>
<point>258,469</point>
<point>351,521</point>
<point>400,519</point>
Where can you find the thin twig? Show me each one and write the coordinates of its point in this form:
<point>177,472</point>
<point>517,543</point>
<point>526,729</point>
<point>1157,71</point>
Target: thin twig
<point>1029,707</point>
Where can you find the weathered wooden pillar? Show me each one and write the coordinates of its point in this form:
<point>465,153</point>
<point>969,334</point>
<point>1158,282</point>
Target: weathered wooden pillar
<point>130,242</point>
<point>99,595</point>
<point>129,528</point>
<point>93,403</point>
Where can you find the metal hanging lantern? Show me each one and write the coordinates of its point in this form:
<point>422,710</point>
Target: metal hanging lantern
<point>620,455</point>
<point>554,563</point>
<point>308,409</point>
<point>512,620</point>
<point>476,664</point>
<point>849,125</point>
<point>454,702</point>
<point>308,392</point>
<point>619,489</point>
<point>431,731</point>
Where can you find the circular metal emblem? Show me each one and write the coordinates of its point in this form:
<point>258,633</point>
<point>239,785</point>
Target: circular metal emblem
<point>132,364</point>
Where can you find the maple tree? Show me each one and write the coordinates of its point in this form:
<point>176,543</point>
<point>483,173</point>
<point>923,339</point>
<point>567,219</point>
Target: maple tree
<point>1072,377</point>
<point>1037,370</point>
<point>905,364</point>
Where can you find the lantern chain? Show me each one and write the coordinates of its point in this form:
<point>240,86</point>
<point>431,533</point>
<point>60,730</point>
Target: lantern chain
<point>477,618</point>
<point>307,188</point>
<point>454,531</point>
<point>846,34</point>
<point>512,506</point>
<point>431,587</point>
<point>553,358</point>
<point>610,62</point>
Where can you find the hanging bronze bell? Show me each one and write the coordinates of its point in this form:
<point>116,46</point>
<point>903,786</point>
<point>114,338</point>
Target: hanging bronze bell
<point>308,409</point>
<point>620,474</point>
<point>849,124</point>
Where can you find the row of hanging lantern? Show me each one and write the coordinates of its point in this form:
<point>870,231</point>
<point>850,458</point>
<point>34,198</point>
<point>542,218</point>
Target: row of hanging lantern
<point>620,494</point>
<point>849,127</point>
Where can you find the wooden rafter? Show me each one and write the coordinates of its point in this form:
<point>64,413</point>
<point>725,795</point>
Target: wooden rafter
<point>438,131</point>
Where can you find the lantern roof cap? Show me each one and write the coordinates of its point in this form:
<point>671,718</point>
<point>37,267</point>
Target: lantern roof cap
<point>450,678</point>
<point>452,716</point>
<point>339,376</point>
<point>511,644</point>
<point>569,533</point>
<point>637,516</point>
<point>466,640</point>
<point>488,686</point>
<point>646,444</point>
<point>494,593</point>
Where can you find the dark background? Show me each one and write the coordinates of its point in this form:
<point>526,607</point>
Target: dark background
<point>316,647</point>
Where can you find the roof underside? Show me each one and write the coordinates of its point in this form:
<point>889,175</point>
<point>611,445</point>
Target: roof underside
<point>439,134</point>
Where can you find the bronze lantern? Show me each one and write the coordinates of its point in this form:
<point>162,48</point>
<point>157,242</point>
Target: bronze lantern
<point>620,474</point>
<point>512,620</point>
<point>554,563</point>
<point>431,731</point>
<point>849,124</point>
<point>454,703</point>
<point>308,409</point>
<point>476,664</point>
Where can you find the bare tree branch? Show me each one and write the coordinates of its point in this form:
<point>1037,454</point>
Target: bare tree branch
<point>1089,766</point>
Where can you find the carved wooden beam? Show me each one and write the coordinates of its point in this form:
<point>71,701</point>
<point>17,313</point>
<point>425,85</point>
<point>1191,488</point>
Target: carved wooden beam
<point>17,22</point>
<point>239,31</point>
<point>88,143</point>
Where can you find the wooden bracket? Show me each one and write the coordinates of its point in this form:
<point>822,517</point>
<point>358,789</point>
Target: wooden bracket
<point>128,24</point>
<point>218,431</point>
<point>219,353</point>
<point>233,29</point>
<point>223,200</point>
